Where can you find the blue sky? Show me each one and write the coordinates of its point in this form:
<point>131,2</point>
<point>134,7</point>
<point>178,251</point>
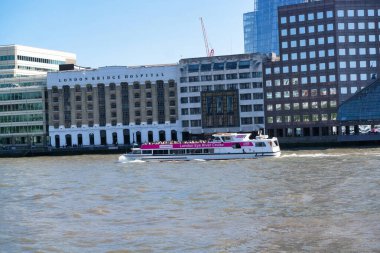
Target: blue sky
<point>125,32</point>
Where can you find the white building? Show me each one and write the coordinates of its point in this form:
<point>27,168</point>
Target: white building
<point>22,92</point>
<point>113,105</point>
<point>22,61</point>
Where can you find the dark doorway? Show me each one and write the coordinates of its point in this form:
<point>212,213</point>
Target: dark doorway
<point>68,140</point>
<point>57,141</point>
<point>138,137</point>
<point>114,138</point>
<point>92,139</point>
<point>150,136</point>
<point>174,135</point>
<point>80,140</point>
<point>162,135</point>
<point>103,137</point>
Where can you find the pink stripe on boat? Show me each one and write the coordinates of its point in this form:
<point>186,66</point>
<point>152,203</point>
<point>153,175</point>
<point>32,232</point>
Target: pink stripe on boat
<point>194,145</point>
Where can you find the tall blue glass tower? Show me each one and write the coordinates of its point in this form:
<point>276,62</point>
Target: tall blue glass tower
<point>261,28</point>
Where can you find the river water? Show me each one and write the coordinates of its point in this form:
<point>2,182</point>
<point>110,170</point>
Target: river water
<point>304,201</point>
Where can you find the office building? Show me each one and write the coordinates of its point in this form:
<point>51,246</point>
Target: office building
<point>22,93</point>
<point>113,106</point>
<point>221,94</point>
<point>329,50</point>
<point>22,61</point>
<point>261,26</point>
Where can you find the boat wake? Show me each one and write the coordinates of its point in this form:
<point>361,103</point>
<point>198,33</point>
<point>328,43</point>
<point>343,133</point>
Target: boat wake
<point>313,155</point>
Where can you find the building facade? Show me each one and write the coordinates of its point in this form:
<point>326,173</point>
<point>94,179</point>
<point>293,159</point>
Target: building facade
<point>113,106</point>
<point>329,50</point>
<point>221,94</point>
<point>22,93</point>
<point>23,61</point>
<point>22,111</point>
<point>261,26</point>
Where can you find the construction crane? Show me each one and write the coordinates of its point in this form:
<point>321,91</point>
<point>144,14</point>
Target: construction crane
<point>209,52</point>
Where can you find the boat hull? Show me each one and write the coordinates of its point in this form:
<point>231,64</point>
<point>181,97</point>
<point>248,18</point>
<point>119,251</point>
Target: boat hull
<point>134,157</point>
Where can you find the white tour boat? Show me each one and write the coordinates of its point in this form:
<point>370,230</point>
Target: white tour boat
<point>222,146</point>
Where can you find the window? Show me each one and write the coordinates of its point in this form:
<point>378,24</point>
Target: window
<point>351,38</point>
<point>205,67</point>
<point>350,13</point>
<point>330,27</point>
<point>301,17</point>
<point>292,19</point>
<point>322,66</point>
<point>351,26</point>
<point>340,13</point>
<point>321,28</point>
<point>302,30</point>
<point>283,20</point>
<point>218,66</point>
<point>320,15</point>
<point>329,14</point>
<point>330,40</point>
<point>340,26</point>
<point>361,13</point>
<point>231,65</point>
<point>311,29</point>
<point>310,16</point>
<point>311,42</point>
<point>342,39</point>
<point>302,43</point>
<point>293,31</point>
<point>193,68</point>
<point>284,32</point>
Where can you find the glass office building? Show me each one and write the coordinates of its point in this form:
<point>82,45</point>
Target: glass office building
<point>260,26</point>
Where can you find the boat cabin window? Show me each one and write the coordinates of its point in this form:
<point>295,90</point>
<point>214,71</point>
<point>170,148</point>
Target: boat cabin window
<point>136,152</point>
<point>260,144</point>
<point>160,152</point>
<point>147,152</point>
<point>236,146</point>
<point>208,151</point>
<point>194,151</point>
<point>216,139</point>
<point>177,151</point>
<point>226,138</point>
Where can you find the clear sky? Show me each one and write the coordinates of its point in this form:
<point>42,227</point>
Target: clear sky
<point>125,32</point>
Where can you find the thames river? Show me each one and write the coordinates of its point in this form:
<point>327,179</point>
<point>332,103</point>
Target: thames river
<point>304,201</point>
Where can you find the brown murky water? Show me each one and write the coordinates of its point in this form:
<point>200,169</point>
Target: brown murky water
<point>304,201</point>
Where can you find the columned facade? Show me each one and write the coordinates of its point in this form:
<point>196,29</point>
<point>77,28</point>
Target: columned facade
<point>112,106</point>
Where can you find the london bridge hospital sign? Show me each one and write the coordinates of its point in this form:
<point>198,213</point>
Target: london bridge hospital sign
<point>93,78</point>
